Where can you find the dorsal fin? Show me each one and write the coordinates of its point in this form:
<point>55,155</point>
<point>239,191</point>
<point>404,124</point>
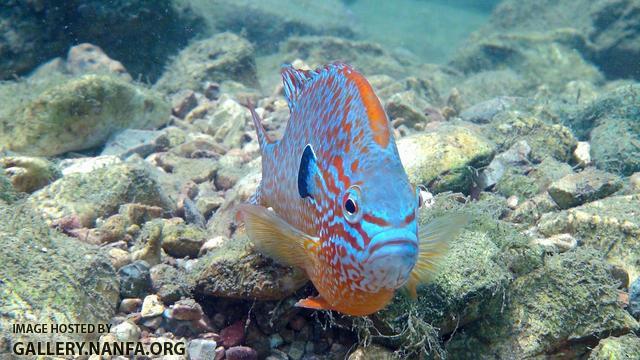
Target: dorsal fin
<point>295,80</point>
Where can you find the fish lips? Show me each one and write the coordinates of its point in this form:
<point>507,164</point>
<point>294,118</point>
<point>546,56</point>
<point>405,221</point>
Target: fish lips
<point>392,256</point>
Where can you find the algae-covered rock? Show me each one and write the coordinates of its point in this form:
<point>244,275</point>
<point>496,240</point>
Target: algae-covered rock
<point>556,309</point>
<point>620,103</point>
<point>444,159</point>
<point>47,277</point>
<point>98,193</point>
<point>368,58</point>
<point>611,225</point>
<point>234,270</point>
<point>617,348</point>
<point>180,239</point>
<point>29,174</point>
<point>78,114</point>
<point>545,139</point>
<point>471,280</point>
<point>225,56</point>
<point>621,156</point>
<point>588,185</point>
<point>547,59</point>
<point>7,192</point>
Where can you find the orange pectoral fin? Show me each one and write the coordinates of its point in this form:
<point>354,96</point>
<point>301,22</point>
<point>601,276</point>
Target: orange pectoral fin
<point>316,303</point>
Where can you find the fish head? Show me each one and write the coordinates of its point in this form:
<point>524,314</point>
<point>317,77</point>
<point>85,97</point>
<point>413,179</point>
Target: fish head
<point>378,214</point>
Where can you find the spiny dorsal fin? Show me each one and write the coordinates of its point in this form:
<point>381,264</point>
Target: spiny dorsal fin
<point>295,80</point>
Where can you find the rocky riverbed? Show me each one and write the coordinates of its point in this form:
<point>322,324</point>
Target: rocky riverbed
<point>119,177</point>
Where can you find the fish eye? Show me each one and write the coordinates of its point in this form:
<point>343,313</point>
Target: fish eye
<point>350,205</point>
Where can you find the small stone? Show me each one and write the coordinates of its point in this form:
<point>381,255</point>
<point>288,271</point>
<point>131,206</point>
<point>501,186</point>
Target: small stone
<point>201,349</point>
<point>152,323</point>
<point>169,283</point>
<point>297,323</point>
<point>186,309</point>
<point>296,351</point>
<point>207,205</point>
<point>277,355</point>
<point>211,244</point>
<point>126,332</point>
<point>139,214</point>
<point>134,279</point>
<point>582,154</point>
<point>129,305</point>
<point>219,353</point>
<point>512,202</point>
<point>183,102</point>
<point>586,186</point>
<point>241,353</point>
<point>88,58</point>
<point>128,142</point>
<point>151,306</point>
<point>371,352</point>
<point>219,320</point>
<point>620,274</point>
<point>233,334</point>
<point>119,257</point>
<point>558,243</point>
<point>634,299</point>
<point>180,239</point>
<point>275,341</point>
<point>212,90</point>
<point>28,174</point>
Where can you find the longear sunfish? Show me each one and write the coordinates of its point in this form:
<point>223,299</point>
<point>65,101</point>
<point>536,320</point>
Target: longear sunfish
<point>335,199</point>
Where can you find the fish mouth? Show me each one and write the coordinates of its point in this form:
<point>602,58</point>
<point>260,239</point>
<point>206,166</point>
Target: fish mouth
<point>394,243</point>
<point>392,255</point>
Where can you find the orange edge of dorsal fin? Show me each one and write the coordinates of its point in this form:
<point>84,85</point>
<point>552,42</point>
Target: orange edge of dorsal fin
<point>295,80</point>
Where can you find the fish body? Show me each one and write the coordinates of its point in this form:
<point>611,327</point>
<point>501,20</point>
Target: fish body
<point>341,205</point>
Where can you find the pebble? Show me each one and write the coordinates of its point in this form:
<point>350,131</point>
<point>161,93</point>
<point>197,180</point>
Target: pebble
<point>119,257</point>
<point>151,306</point>
<point>152,323</point>
<point>219,353</point>
<point>275,341</point>
<point>277,355</point>
<point>202,349</point>
<point>558,243</point>
<point>634,298</point>
<point>135,280</point>
<point>296,350</point>
<point>297,323</point>
<point>130,305</point>
<point>582,154</point>
<point>183,102</point>
<point>588,185</point>
<point>212,244</point>
<point>512,202</point>
<point>233,334</point>
<point>241,353</point>
<point>186,309</point>
<point>126,332</point>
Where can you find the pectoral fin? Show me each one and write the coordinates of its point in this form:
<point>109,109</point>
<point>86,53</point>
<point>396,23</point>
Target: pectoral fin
<point>275,238</point>
<point>434,243</point>
<point>316,303</point>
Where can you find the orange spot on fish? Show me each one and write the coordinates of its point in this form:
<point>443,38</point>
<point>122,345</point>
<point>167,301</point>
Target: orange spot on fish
<point>375,220</point>
<point>354,164</point>
<point>378,122</point>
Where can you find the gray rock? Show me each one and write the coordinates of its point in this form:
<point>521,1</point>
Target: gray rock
<point>134,279</point>
<point>130,141</point>
<point>588,185</point>
<point>296,350</point>
<point>98,193</point>
<point>621,156</point>
<point>224,56</point>
<point>28,174</point>
<point>516,155</point>
<point>126,332</point>
<point>484,112</point>
<point>202,349</point>
<point>90,59</point>
<point>180,239</point>
<point>151,306</point>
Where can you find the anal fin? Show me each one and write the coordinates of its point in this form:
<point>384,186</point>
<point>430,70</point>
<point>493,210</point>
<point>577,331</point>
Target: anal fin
<point>315,303</point>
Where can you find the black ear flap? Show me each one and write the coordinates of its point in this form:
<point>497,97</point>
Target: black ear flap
<point>307,172</point>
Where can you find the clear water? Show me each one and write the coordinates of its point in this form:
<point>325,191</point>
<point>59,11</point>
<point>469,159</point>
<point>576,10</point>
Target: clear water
<point>126,147</point>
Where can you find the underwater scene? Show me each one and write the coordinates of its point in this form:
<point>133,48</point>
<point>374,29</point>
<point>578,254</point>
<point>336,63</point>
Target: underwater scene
<point>311,180</point>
